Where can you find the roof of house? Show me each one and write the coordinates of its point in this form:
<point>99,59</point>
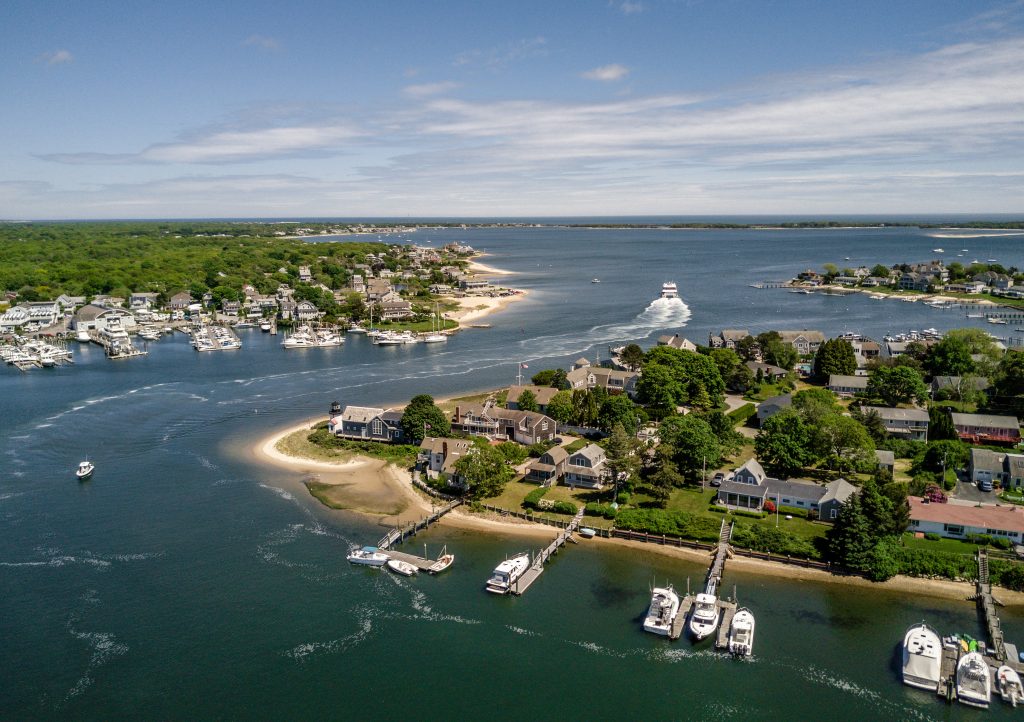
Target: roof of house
<point>986,420</point>
<point>839,490</point>
<point>812,336</point>
<point>852,382</point>
<point>885,456</point>
<point>436,445</point>
<point>890,413</point>
<point>766,369</point>
<point>543,394</point>
<point>558,454</point>
<point>91,312</point>
<point>799,489</point>
<point>977,383</point>
<point>1004,518</point>
<point>360,414</point>
<point>754,467</point>
<point>987,460</point>
<point>782,401</point>
<point>593,452</point>
<point>677,341</point>
<point>738,487</point>
<point>734,334</point>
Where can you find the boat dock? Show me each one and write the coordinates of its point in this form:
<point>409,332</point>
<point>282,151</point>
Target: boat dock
<point>531,575</point>
<point>400,534</point>
<point>727,608</point>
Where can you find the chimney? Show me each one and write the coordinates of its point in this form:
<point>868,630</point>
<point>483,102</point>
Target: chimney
<point>444,449</point>
<point>457,414</point>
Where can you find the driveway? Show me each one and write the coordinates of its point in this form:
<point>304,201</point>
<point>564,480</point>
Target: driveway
<point>968,492</point>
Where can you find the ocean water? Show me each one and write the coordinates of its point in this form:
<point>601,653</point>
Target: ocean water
<point>186,581</point>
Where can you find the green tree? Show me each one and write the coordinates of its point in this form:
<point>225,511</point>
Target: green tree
<point>423,417</point>
<point>815,405</point>
<point>776,351</point>
<point>484,472</point>
<point>694,442</point>
<point>632,356</point>
<point>835,357</point>
<point>527,401</point>
<point>621,454</point>
<point>843,441</point>
<point>880,271</point>
<point>896,385</point>
<point>747,349</point>
<point>514,453</point>
<point>730,440</point>
<point>543,378</point>
<point>1008,390</point>
<point>949,357</point>
<point>871,421</point>
<point>940,424</point>
<point>560,408</point>
<point>882,560</point>
<point>664,476</point>
<point>658,387</point>
<point>783,443</point>
<point>851,537</point>
<point>946,454</point>
<point>619,411</point>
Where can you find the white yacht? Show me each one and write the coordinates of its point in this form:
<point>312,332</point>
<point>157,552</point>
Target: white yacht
<point>704,618</point>
<point>302,337</point>
<point>435,335</point>
<point>387,338</point>
<point>669,290</point>
<point>662,612</point>
<point>938,250</point>
<point>973,680</point>
<point>741,633</point>
<point>370,556</point>
<point>595,280</point>
<point>922,656</point>
<point>355,328</point>
<point>85,470</point>
<point>83,336</point>
<point>506,574</point>
<point>265,325</point>
<point>1009,685</point>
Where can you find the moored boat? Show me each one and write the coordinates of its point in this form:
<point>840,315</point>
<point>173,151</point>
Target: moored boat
<point>370,556</point>
<point>1009,685</point>
<point>922,657</point>
<point>741,633</point>
<point>85,470</point>
<point>662,611</point>
<point>973,680</point>
<point>704,618</point>
<point>442,563</point>
<point>587,533</point>
<point>507,573</point>
<point>399,567</point>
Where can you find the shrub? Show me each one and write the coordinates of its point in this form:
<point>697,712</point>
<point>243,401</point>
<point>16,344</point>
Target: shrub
<point>1006,574</point>
<point>769,506</point>
<point>932,536</point>
<point>740,415</point>
<point>794,511</point>
<point>770,539</point>
<point>753,514</point>
<point>595,509</point>
<point>1001,542</point>
<point>663,521</point>
<point>979,539</point>
<point>533,498</point>
<point>718,509</point>
<point>565,507</point>
<point>623,498</point>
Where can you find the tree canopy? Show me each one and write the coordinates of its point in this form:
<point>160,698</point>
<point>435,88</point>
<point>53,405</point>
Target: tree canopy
<point>484,471</point>
<point>422,418</point>
<point>896,385</point>
<point>835,356</point>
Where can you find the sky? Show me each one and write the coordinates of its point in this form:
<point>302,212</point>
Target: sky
<point>345,108</point>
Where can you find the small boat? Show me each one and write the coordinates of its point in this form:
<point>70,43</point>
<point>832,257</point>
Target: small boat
<point>587,533</point>
<point>662,612</point>
<point>975,315</point>
<point>83,337</point>
<point>399,567</point>
<point>938,250</point>
<point>370,556</point>
<point>973,680</point>
<point>704,618</point>
<point>992,260</point>
<point>595,280</point>
<point>922,657</point>
<point>85,470</point>
<point>355,328</point>
<point>999,321</point>
<point>1009,685</point>
<point>265,326</point>
<point>669,290</point>
<point>434,338</point>
<point>741,633</point>
<point>443,562</point>
<point>507,573</point>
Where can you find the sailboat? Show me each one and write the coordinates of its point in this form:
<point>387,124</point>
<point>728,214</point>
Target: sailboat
<point>435,335</point>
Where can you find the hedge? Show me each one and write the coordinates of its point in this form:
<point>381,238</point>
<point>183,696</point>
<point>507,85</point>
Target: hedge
<point>565,507</point>
<point>595,509</point>
<point>794,511</point>
<point>531,500</point>
<point>740,415</point>
<point>663,521</point>
<point>770,539</point>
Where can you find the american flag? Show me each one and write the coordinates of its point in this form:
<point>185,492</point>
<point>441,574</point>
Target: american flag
<point>523,366</point>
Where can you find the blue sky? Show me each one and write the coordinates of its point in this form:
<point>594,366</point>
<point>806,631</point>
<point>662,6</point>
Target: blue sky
<point>189,109</point>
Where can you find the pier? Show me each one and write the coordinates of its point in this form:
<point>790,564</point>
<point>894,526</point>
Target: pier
<point>531,575</point>
<point>400,534</point>
<point>727,608</point>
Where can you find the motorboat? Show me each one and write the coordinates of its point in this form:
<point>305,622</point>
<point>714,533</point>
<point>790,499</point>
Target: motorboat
<point>998,321</point>
<point>399,567</point>
<point>922,657</point>
<point>669,290</point>
<point>938,250</point>
<point>587,533</point>
<point>265,326</point>
<point>662,612</point>
<point>595,280</point>
<point>973,680</point>
<point>741,633</point>
<point>388,338</point>
<point>369,556</point>
<point>355,328</point>
<point>704,618</point>
<point>1009,685</point>
<point>83,336</point>
<point>302,338</point>
<point>507,573</point>
<point>85,469</point>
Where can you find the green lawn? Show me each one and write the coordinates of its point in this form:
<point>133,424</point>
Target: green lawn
<point>575,446</point>
<point>954,546</point>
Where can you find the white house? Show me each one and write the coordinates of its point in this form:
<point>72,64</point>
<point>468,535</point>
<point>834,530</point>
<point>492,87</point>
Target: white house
<point>586,468</point>
<point>956,521</point>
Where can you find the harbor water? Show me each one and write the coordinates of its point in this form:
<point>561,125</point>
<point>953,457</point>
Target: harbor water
<point>187,581</point>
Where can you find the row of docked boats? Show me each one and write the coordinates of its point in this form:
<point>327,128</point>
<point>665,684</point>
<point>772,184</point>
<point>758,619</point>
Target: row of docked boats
<point>313,337</point>
<point>975,680</point>
<point>374,557</point>
<point>25,354</point>
<point>704,619</point>
<point>214,338</point>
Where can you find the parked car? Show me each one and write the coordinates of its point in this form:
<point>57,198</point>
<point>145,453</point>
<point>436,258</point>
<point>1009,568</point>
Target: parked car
<point>985,484</point>
<point>717,479</point>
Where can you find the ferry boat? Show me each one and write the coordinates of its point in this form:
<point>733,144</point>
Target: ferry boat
<point>669,290</point>
<point>1009,685</point>
<point>741,633</point>
<point>369,556</point>
<point>399,567</point>
<point>922,657</point>
<point>85,470</point>
<point>973,680</point>
<point>662,612</point>
<point>704,618</point>
<point>507,573</point>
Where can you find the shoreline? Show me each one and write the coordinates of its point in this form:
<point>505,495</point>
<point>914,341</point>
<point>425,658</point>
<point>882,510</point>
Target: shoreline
<point>361,473</point>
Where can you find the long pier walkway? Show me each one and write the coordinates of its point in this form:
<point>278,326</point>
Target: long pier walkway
<point>531,575</point>
<point>727,608</point>
<point>400,534</point>
<point>987,605</point>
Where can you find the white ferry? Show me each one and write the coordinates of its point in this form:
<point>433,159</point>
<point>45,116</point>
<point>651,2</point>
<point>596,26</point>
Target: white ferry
<point>669,290</point>
<point>662,612</point>
<point>507,573</point>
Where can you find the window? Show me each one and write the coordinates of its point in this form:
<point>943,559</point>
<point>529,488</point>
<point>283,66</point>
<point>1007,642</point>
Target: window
<point>957,529</point>
<point>377,427</point>
<point>832,513</point>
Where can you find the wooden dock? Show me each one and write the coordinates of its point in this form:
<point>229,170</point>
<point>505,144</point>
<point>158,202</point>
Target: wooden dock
<point>531,575</point>
<point>400,534</point>
<point>726,611</point>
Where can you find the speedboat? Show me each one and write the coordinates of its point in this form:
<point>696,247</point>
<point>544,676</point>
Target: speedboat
<point>973,680</point>
<point>595,280</point>
<point>922,656</point>
<point>938,250</point>
<point>662,612</point>
<point>741,633</point>
<point>507,573</point>
<point>265,326</point>
<point>85,470</point>
<point>1009,685</point>
<point>998,321</point>
<point>704,618</point>
<point>370,556</point>
<point>399,567</point>
<point>669,290</point>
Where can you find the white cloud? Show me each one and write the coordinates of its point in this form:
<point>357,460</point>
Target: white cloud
<point>503,55</point>
<point>629,8</point>
<point>56,57</point>
<point>607,73</point>
<point>263,42</point>
<point>424,90</point>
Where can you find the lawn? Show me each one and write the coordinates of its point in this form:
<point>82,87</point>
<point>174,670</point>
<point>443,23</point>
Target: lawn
<point>953,546</point>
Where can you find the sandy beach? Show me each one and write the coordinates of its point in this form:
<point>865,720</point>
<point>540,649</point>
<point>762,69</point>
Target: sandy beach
<point>474,308</point>
<point>484,270</point>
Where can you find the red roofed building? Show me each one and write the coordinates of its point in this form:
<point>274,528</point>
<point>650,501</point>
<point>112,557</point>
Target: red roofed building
<point>956,521</point>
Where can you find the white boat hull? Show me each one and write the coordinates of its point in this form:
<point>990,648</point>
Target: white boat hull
<point>399,567</point>
<point>922,654</point>
<point>741,634</point>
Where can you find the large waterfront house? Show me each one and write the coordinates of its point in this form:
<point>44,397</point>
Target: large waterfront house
<point>524,427</point>
<point>365,423</point>
<point>306,311</point>
<point>98,318</point>
<point>910,424</point>
<point>395,310</point>
<point>987,428</point>
<point>587,468</point>
<point>439,455</point>
<point>956,521</point>
<point>997,467</point>
<point>749,488</point>
<point>805,342</point>
<point>39,313</point>
<point>542,395</point>
<point>727,338</point>
<point>614,381</point>
<point>549,468</point>
<point>847,385</point>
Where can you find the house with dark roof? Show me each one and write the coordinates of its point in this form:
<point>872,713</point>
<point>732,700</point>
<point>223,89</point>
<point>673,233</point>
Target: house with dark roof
<point>999,468</point>
<point>367,423</point>
<point>614,381</point>
<point>438,456</point>
<point>910,424</point>
<point>987,428</point>
<point>727,338</point>
<point>749,488</point>
<point>956,386</point>
<point>587,468</point>
<point>524,427</point>
<point>847,385</point>
<point>543,395</point>
<point>549,468</point>
<point>767,372</point>
<point>773,405</point>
